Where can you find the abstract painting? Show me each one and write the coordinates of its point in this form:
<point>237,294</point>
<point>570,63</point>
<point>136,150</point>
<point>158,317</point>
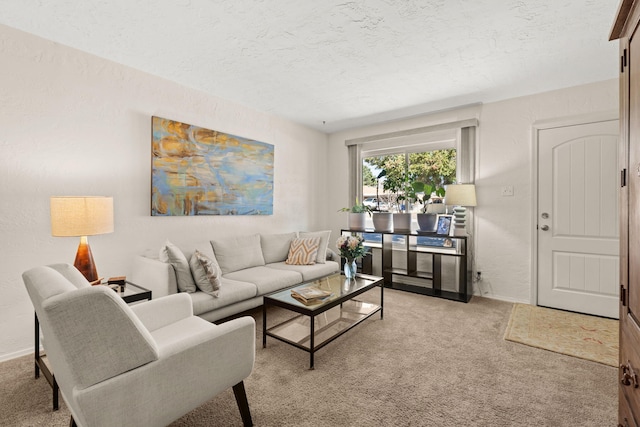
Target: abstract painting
<point>197,171</point>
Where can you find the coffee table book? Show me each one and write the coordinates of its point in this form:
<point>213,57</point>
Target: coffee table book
<point>310,294</point>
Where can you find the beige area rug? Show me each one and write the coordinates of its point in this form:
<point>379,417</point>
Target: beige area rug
<point>579,335</point>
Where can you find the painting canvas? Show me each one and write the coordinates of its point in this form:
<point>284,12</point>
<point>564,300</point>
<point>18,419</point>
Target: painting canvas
<point>197,171</point>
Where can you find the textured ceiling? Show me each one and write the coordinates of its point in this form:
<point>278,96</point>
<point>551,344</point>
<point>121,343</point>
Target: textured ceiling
<point>346,63</point>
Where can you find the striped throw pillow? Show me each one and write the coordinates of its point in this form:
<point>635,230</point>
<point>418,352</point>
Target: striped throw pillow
<point>303,251</point>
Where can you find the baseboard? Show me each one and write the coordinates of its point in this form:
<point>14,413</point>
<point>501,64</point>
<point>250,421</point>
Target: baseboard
<point>503,298</point>
<point>16,354</point>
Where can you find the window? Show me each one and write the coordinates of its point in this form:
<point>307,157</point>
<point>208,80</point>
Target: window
<point>457,139</point>
<point>407,181</point>
<point>447,148</point>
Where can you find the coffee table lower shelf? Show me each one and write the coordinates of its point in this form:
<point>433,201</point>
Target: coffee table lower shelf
<point>328,325</point>
<point>311,330</point>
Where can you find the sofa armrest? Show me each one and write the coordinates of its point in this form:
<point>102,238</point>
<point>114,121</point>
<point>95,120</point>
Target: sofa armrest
<point>161,312</point>
<point>157,276</point>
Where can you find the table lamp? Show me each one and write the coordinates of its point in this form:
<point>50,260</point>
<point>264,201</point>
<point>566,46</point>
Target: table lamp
<point>82,216</point>
<point>460,196</point>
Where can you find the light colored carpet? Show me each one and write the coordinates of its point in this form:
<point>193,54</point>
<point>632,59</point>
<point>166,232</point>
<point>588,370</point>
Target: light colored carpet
<point>429,362</point>
<point>579,335</point>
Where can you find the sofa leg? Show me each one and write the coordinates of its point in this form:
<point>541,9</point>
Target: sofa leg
<point>243,404</point>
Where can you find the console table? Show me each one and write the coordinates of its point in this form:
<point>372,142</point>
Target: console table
<point>414,245</point>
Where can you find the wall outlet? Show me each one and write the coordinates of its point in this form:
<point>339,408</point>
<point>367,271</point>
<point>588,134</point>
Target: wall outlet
<point>507,191</point>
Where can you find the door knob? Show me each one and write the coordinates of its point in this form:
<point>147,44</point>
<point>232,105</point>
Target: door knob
<point>629,376</point>
<point>544,228</point>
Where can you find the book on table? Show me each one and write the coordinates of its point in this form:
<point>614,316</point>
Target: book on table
<point>310,294</point>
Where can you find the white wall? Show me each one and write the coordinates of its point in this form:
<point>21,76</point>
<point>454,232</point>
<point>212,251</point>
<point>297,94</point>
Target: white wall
<point>74,124</point>
<point>503,225</point>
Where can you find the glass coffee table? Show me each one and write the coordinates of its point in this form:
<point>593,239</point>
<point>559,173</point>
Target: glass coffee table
<point>320,322</point>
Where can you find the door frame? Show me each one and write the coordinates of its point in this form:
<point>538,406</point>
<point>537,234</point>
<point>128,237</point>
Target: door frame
<point>536,127</point>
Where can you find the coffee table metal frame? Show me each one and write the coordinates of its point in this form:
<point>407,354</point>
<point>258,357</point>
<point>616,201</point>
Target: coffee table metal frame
<point>313,310</point>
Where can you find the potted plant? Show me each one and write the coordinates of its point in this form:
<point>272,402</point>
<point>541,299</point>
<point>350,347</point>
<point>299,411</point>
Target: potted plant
<point>405,193</point>
<point>427,218</point>
<point>357,215</point>
<point>382,221</point>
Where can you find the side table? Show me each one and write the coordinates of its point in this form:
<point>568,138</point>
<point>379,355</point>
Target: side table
<point>132,293</point>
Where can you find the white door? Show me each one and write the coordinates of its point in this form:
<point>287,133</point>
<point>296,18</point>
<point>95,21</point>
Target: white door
<point>578,183</point>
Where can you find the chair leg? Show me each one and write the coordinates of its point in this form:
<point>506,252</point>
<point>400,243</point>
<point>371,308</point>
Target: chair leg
<point>243,404</point>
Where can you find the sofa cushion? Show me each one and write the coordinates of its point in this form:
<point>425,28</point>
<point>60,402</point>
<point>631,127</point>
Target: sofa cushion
<point>309,272</point>
<point>231,291</point>
<point>303,251</point>
<point>266,279</point>
<point>206,273</point>
<point>173,255</point>
<point>324,242</point>
<point>238,252</point>
<point>275,247</point>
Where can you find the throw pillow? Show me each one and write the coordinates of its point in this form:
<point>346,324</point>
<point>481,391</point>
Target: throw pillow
<point>173,255</point>
<point>206,273</point>
<point>237,253</point>
<point>275,247</point>
<point>303,251</point>
<point>324,243</point>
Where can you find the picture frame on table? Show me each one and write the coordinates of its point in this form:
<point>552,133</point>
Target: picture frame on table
<point>443,225</point>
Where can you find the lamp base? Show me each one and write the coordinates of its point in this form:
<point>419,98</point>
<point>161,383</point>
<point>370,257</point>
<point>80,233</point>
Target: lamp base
<point>459,219</point>
<point>459,230</point>
<point>84,261</point>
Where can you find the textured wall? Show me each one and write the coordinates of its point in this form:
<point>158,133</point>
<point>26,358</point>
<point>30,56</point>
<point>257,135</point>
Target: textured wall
<point>503,225</point>
<point>74,124</point>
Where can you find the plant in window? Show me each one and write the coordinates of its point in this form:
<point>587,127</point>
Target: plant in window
<point>357,208</point>
<point>427,191</point>
<point>405,190</point>
<point>381,175</point>
<point>357,215</point>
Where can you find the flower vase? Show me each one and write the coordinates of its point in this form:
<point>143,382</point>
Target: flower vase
<point>350,268</point>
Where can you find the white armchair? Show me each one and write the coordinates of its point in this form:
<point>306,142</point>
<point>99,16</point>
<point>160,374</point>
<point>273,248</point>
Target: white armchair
<point>147,364</point>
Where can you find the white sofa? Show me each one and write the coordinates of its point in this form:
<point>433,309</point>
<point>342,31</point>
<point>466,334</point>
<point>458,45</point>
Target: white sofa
<point>251,266</point>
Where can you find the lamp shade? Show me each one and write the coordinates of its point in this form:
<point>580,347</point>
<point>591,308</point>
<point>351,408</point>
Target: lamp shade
<point>81,216</point>
<point>460,195</point>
